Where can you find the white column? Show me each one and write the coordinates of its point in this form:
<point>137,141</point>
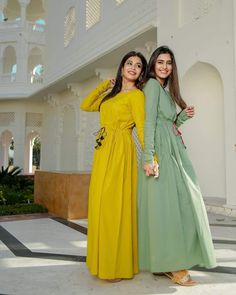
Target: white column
<point>1,61</point>
<point>1,155</point>
<point>22,59</point>
<point>19,140</point>
<point>81,133</point>
<point>2,6</point>
<point>23,6</point>
<point>22,46</point>
<point>30,155</point>
<point>5,154</point>
<point>51,137</point>
<point>230,130</point>
<point>81,122</point>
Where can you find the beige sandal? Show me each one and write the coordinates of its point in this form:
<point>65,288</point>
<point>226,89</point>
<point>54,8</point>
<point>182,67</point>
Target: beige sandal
<point>181,277</point>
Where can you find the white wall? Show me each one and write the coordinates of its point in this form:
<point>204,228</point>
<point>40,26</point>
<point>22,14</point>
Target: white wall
<point>68,132</point>
<point>204,134</point>
<point>117,26</point>
<point>203,31</point>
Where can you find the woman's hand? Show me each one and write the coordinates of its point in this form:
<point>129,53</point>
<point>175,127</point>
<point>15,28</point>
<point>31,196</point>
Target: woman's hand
<point>190,111</point>
<point>112,82</point>
<point>151,169</point>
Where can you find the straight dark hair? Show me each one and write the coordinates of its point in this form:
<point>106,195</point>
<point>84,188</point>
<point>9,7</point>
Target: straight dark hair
<point>172,81</point>
<point>138,83</point>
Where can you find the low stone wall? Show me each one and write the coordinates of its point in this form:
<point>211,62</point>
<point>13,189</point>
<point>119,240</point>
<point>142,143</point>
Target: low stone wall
<point>64,194</point>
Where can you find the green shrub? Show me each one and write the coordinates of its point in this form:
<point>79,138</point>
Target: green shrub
<point>16,193</point>
<point>9,173</point>
<point>21,209</point>
<point>15,188</point>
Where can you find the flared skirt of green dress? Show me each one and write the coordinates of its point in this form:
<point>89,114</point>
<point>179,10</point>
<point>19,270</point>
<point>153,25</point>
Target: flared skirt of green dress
<point>174,232</point>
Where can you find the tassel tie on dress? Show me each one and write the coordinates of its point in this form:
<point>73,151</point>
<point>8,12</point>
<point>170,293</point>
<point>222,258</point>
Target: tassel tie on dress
<point>177,132</point>
<point>101,134</point>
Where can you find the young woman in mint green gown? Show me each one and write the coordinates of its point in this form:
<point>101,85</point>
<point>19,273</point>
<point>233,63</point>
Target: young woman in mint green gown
<point>174,232</point>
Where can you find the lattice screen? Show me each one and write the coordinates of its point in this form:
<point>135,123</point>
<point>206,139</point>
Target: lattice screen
<point>34,120</point>
<point>93,12</point>
<point>7,119</point>
<point>69,26</point>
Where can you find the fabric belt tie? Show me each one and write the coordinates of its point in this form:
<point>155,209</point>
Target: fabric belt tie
<point>101,134</point>
<point>177,132</point>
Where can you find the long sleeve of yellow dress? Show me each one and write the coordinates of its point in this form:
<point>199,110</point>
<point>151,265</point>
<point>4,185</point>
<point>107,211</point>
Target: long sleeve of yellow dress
<point>138,113</point>
<point>92,101</point>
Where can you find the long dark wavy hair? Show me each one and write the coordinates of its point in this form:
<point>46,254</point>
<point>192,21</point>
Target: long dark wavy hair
<point>172,81</point>
<point>138,83</point>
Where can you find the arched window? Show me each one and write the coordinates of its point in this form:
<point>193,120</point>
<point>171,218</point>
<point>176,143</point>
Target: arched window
<point>37,74</point>
<point>33,149</point>
<point>35,10</point>
<point>13,72</point>
<point>11,153</point>
<point>39,25</point>
<point>35,65</point>
<point>6,148</point>
<point>9,59</point>
<point>3,18</point>
<point>38,70</point>
<point>12,10</point>
<point>36,152</point>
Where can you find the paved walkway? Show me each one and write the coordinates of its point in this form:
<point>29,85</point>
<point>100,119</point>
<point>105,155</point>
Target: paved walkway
<point>44,255</point>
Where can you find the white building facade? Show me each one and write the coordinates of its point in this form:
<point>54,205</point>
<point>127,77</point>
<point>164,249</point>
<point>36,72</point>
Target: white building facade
<point>54,52</point>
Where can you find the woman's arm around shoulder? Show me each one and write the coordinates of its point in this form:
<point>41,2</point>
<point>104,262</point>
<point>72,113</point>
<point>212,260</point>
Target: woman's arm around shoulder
<point>184,115</point>
<point>92,101</point>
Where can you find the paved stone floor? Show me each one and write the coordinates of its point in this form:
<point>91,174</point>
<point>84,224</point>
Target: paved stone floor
<point>44,255</point>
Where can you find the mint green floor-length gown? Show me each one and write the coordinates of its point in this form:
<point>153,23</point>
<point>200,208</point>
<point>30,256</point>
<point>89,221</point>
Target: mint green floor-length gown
<point>174,231</point>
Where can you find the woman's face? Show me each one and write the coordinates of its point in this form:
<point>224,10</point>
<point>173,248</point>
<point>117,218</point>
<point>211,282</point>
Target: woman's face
<point>163,67</point>
<point>132,68</point>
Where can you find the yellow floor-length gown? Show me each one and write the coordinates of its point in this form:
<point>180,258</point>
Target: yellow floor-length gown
<point>112,225</point>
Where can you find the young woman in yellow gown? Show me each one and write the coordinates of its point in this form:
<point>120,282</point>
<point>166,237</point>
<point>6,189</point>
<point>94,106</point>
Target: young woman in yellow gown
<point>112,225</point>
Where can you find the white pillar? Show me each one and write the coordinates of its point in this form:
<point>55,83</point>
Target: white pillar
<point>22,46</point>
<point>2,6</point>
<point>5,154</point>
<point>19,140</point>
<point>23,6</point>
<point>22,58</point>
<point>81,134</point>
<point>1,155</point>
<point>230,123</point>
<point>30,155</point>
<point>81,122</point>
<point>51,136</point>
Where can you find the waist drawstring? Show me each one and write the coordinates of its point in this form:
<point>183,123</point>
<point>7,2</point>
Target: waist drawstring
<point>101,134</point>
<point>177,132</point>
